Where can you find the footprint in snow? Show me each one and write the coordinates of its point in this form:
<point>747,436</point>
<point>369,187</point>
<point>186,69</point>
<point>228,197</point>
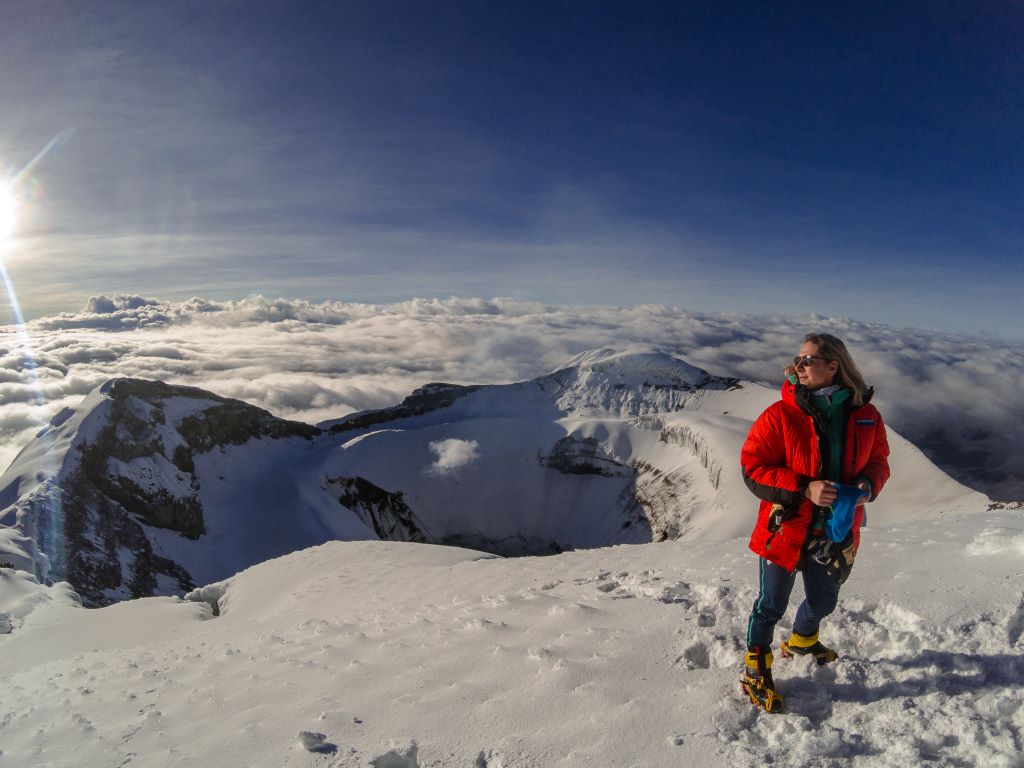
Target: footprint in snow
<point>489,760</point>
<point>680,593</point>
<point>316,742</point>
<point>695,657</point>
<point>1015,626</point>
<point>395,759</point>
<point>733,716</point>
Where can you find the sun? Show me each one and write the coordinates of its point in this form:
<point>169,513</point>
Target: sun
<point>8,211</point>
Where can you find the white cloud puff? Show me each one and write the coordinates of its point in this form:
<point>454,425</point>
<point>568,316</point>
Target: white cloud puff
<point>956,397</point>
<point>453,454</point>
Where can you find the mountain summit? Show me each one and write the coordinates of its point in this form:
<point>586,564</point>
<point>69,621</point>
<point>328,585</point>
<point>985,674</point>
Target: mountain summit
<point>633,382</point>
<point>148,488</point>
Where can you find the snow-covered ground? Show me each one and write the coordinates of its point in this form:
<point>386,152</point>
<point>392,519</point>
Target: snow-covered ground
<point>405,655</point>
<point>398,655</point>
<point>616,447</point>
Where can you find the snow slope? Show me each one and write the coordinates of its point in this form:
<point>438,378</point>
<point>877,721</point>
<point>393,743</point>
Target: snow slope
<point>151,489</point>
<point>666,434</point>
<point>182,487</point>
<point>400,655</point>
<point>403,655</point>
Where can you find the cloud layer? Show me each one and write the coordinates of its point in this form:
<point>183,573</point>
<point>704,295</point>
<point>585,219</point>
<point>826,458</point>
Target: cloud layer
<point>956,397</point>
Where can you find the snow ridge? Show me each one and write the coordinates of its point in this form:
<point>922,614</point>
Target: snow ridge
<point>354,652</point>
<point>633,382</point>
<point>160,489</point>
<point>697,444</point>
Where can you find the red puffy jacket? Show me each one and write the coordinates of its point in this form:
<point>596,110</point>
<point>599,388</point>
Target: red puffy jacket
<point>782,455</point>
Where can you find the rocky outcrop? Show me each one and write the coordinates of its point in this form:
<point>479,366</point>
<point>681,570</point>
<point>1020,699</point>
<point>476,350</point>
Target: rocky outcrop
<point>428,398</point>
<point>385,512</point>
<point>100,549</point>
<point>147,467</point>
<point>661,496</point>
<point>233,422</point>
<point>510,546</point>
<point>574,455</point>
<point>136,469</point>
<point>696,443</point>
<point>139,459</point>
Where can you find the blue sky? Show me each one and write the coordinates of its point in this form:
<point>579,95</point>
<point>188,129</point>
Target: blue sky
<point>861,161</point>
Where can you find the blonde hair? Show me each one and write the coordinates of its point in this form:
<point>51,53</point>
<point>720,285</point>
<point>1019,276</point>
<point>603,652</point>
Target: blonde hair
<point>847,375</point>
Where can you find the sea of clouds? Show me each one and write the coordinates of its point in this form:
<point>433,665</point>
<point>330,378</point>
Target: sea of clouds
<point>956,397</point>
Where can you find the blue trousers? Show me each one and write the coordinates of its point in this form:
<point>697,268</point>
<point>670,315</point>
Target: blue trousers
<point>821,592</point>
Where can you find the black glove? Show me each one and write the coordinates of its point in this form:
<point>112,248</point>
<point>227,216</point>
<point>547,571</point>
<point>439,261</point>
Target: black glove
<point>778,516</point>
<point>840,560</point>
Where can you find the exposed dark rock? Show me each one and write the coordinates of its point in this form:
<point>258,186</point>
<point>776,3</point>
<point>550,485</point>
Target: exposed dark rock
<point>513,546</point>
<point>430,397</point>
<point>92,526</point>
<point>182,459</point>
<point>234,423</point>
<point>994,505</point>
<point>660,498</point>
<point>126,437</point>
<point>583,456</point>
<point>102,551</point>
<point>385,512</point>
<point>136,468</point>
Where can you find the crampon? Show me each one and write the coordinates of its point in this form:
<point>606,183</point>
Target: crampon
<point>758,684</point>
<point>761,695</point>
<point>799,645</point>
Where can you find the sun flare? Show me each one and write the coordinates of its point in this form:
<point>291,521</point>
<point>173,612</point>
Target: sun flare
<point>8,211</point>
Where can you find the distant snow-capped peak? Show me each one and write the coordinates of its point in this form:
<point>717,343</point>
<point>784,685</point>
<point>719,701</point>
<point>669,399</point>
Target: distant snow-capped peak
<point>633,381</point>
<point>635,365</point>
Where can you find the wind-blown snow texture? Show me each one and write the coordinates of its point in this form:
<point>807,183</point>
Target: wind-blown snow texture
<point>417,655</point>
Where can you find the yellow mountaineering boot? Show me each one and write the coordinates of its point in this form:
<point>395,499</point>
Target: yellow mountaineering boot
<point>801,645</point>
<point>757,681</point>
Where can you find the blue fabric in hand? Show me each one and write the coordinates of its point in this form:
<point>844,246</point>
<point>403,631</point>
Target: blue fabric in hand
<point>843,508</point>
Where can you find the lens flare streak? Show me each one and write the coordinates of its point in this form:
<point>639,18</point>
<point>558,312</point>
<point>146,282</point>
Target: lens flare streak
<point>8,211</point>
<point>50,521</point>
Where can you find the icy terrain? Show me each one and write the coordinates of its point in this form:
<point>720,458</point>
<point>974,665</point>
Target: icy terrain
<point>147,489</point>
<point>400,655</point>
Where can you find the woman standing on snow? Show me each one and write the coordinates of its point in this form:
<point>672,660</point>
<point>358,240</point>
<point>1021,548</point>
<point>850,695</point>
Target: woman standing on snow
<point>811,458</point>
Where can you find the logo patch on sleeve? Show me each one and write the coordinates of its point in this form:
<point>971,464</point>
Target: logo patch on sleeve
<point>865,421</point>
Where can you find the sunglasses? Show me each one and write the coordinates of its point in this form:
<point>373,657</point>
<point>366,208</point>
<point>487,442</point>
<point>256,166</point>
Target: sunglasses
<point>802,361</point>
